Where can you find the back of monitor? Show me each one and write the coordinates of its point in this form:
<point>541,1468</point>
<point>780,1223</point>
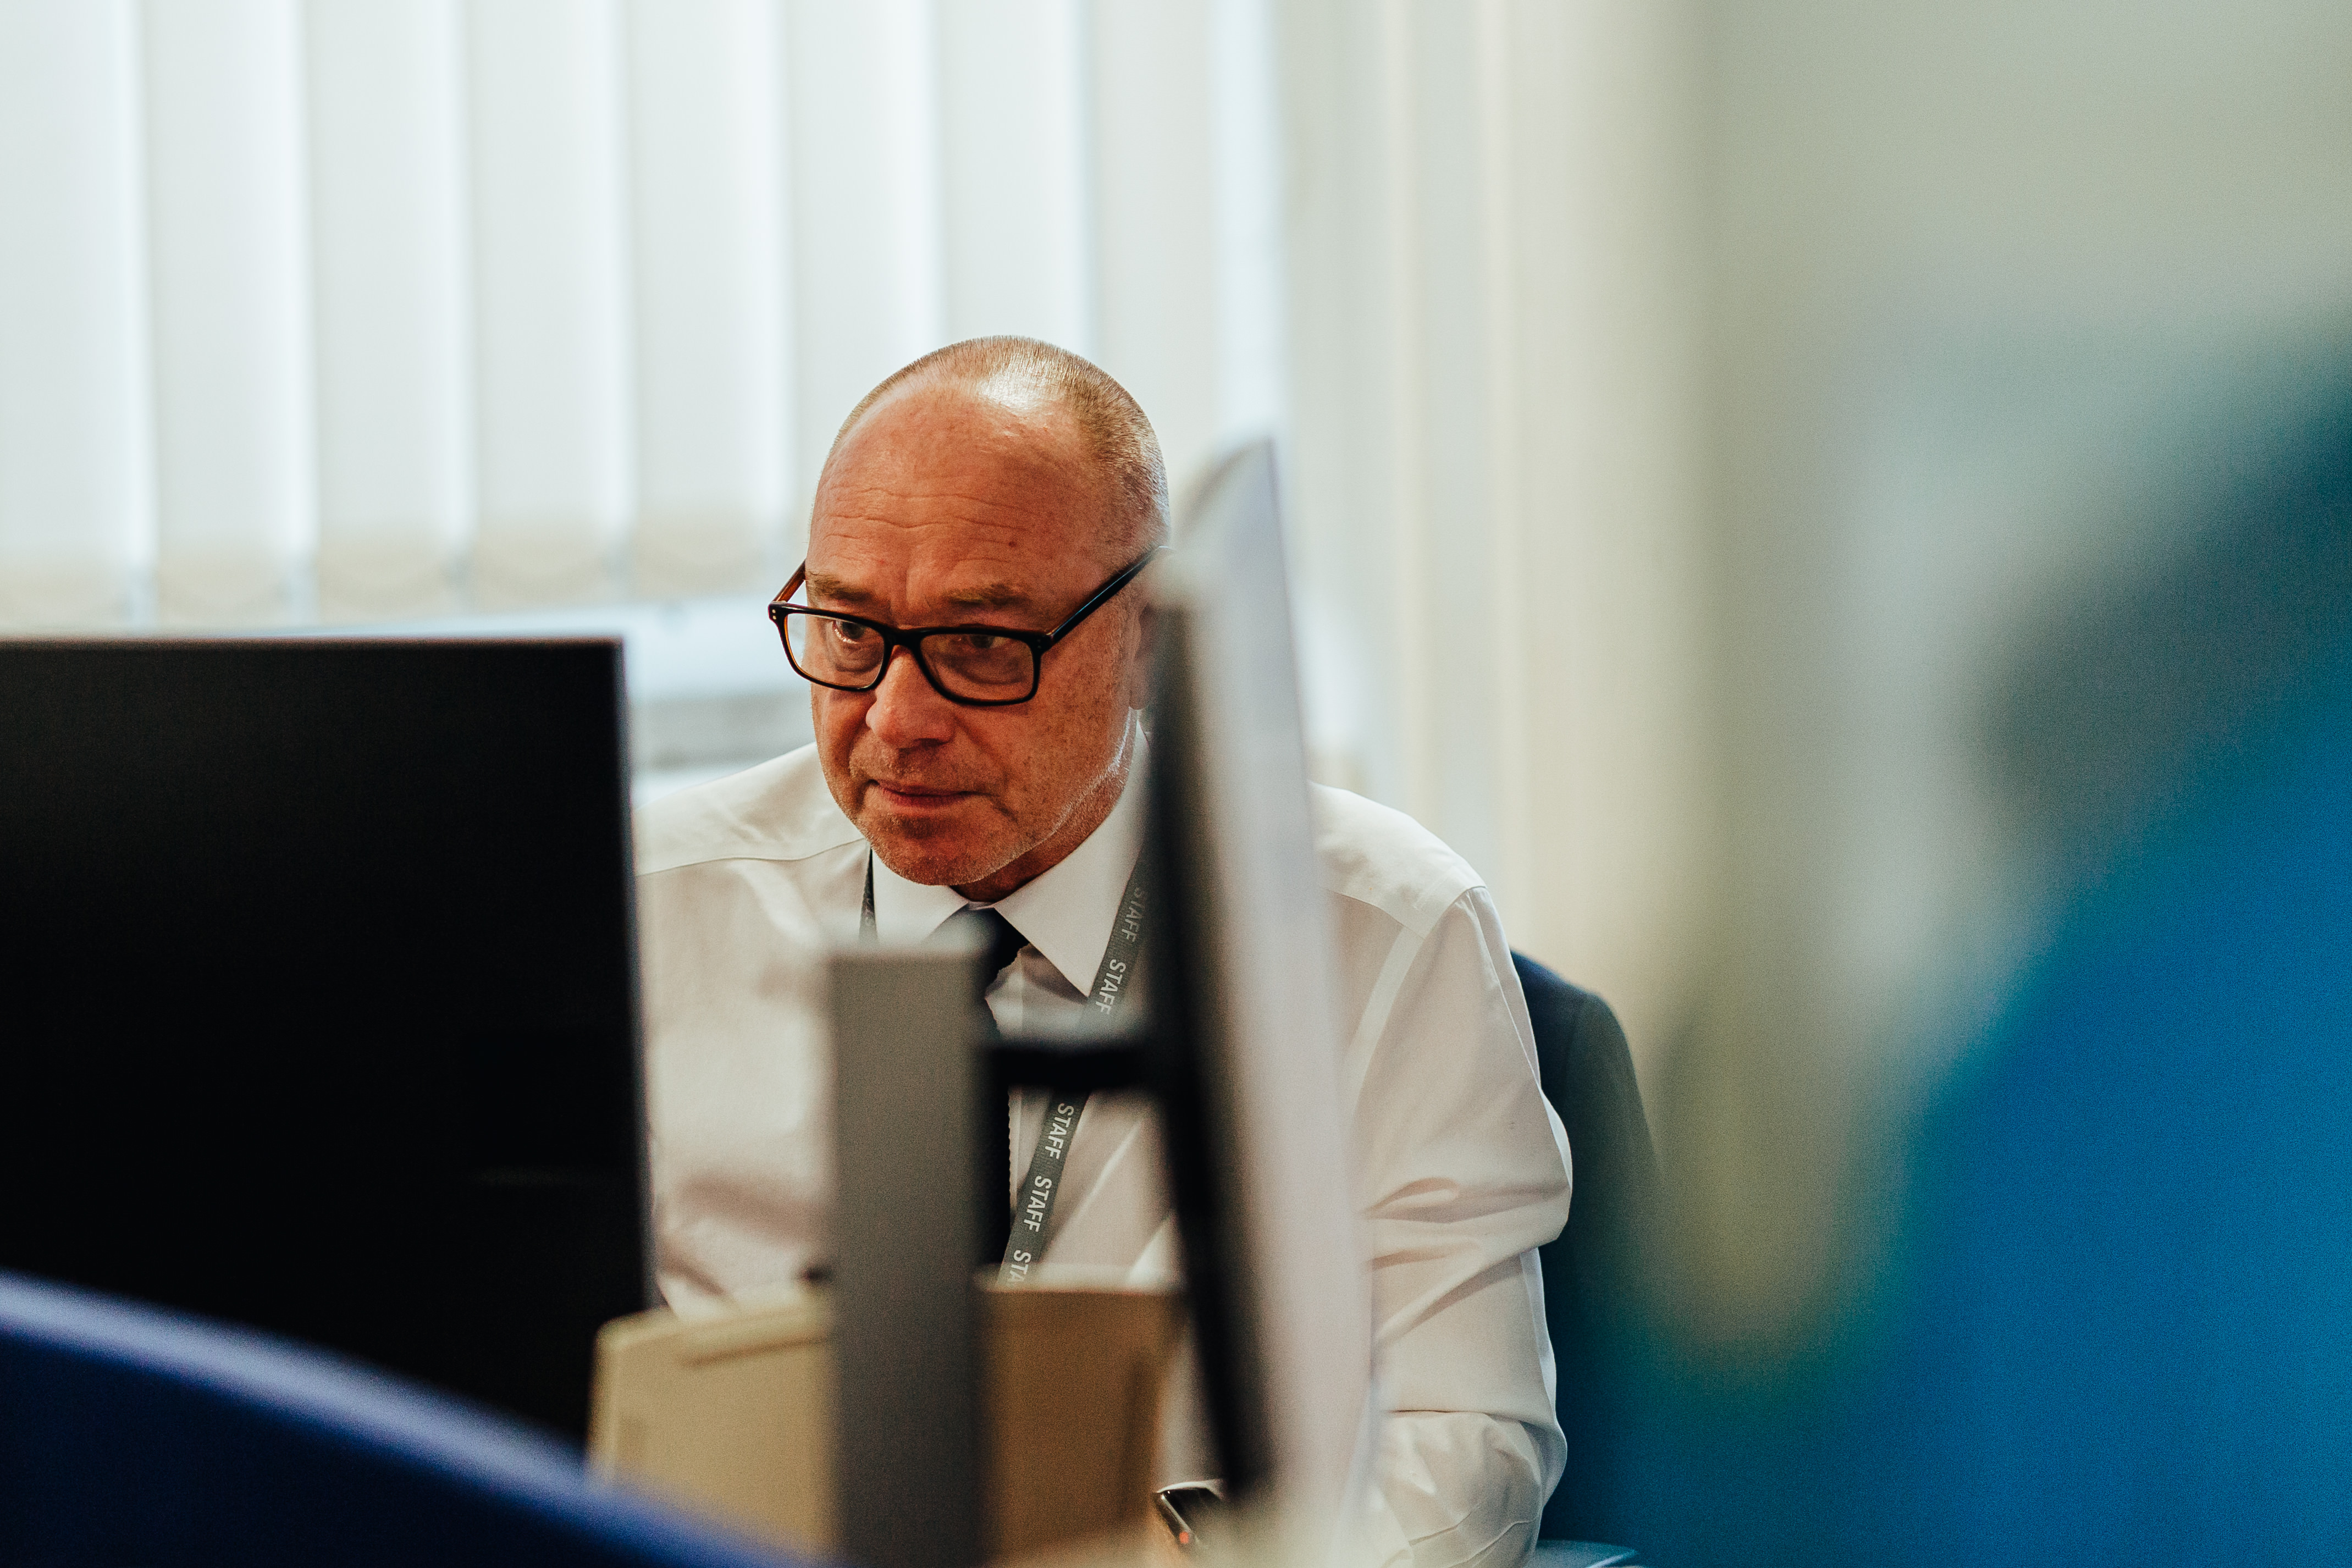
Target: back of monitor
<point>318,998</point>
<point>1251,1088</point>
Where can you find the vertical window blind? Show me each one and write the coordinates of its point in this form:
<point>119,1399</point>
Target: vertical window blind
<point>331,310</point>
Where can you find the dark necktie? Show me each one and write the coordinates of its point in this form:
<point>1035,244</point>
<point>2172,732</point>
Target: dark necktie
<point>993,1139</point>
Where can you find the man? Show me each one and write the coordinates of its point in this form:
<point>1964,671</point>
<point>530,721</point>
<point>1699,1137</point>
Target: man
<point>1003,483</point>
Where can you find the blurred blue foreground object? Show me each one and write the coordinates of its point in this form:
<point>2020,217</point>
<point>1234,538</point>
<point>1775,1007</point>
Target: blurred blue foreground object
<point>133,1437</point>
<point>2117,1325</point>
<point>2128,1320</point>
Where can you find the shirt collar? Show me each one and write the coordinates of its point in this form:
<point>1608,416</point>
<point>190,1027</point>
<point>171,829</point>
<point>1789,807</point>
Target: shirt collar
<point>908,912</point>
<point>1066,913</point>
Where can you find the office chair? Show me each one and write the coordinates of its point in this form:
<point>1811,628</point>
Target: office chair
<point>129,1434</point>
<point>1588,1271</point>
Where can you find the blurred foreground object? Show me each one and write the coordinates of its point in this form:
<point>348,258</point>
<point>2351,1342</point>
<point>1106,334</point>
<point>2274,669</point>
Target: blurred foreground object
<point>734,1415</point>
<point>1248,1044</point>
<point>1993,287</point>
<point>133,1436</point>
<point>2112,1317</point>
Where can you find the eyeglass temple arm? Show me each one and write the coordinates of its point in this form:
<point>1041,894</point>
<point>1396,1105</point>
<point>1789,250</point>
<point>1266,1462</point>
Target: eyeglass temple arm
<point>788,589</point>
<point>1104,595</point>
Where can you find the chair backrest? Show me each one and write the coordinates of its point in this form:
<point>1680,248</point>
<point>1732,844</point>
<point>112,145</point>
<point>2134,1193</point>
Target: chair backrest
<point>129,1434</point>
<point>1590,1272</point>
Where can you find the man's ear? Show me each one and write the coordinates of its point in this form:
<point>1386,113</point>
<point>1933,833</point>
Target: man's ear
<point>1143,661</point>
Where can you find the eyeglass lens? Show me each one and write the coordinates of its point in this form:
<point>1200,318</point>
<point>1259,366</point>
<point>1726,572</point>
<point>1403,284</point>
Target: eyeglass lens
<point>836,652</point>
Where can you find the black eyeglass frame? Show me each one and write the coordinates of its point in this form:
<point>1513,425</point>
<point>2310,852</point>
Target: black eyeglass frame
<point>911,638</point>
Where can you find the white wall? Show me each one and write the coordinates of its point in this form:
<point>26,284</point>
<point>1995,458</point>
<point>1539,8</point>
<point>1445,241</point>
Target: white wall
<point>1494,293</point>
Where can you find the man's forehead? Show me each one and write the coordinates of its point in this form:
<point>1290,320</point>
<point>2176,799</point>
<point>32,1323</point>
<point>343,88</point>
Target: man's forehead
<point>1011,515</point>
<point>918,454</point>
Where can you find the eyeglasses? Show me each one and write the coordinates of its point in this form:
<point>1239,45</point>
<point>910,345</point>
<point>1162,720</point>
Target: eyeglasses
<point>979,667</point>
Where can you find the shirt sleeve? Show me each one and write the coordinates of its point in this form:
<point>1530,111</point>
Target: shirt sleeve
<point>1463,1171</point>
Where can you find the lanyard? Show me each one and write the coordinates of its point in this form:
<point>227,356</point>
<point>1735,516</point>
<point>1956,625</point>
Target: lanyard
<point>1033,1212</point>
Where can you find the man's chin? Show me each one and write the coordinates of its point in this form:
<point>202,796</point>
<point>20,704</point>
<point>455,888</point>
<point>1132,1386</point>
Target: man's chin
<point>934,853</point>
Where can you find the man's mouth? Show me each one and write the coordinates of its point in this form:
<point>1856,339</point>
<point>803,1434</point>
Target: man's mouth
<point>916,795</point>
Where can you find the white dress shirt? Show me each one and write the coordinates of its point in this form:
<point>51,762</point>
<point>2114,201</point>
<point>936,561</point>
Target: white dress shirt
<point>1461,1168</point>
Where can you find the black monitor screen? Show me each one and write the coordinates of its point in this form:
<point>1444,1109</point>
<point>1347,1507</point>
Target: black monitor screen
<point>318,999</point>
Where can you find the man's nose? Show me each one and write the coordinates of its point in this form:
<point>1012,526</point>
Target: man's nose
<point>906,711</point>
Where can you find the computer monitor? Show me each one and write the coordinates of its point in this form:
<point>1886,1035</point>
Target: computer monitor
<point>317,996</point>
<point>1246,1025</point>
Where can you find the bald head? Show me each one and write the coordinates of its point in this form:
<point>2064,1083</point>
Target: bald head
<point>1045,385</point>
